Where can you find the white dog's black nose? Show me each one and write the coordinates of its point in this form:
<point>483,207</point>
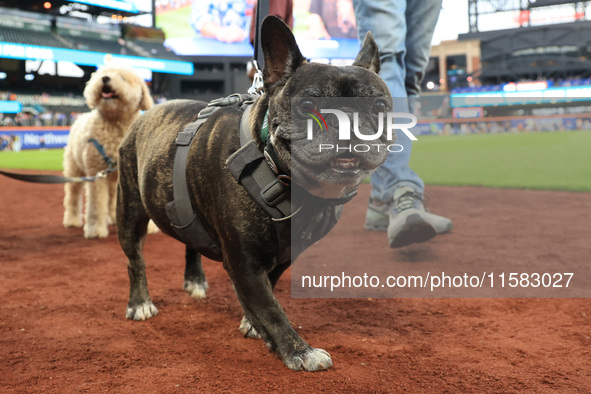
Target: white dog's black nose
<point>106,79</point>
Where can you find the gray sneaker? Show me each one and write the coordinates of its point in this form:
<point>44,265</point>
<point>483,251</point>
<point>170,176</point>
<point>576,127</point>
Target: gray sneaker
<point>376,217</point>
<point>407,220</point>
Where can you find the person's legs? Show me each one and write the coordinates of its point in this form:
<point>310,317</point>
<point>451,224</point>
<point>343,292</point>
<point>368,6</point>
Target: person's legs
<point>421,16</point>
<point>387,21</point>
<point>403,30</point>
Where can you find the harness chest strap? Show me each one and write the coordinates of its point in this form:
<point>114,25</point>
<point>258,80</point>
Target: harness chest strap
<point>184,221</point>
<point>249,167</point>
<point>184,209</point>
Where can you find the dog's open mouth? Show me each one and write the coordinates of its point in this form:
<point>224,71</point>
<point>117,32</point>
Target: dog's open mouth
<point>345,164</point>
<point>108,93</point>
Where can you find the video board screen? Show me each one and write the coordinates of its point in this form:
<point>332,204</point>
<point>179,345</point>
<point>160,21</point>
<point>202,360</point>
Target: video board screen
<point>323,28</point>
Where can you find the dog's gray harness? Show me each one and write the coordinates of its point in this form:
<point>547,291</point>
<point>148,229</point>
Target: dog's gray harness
<point>294,212</point>
<point>184,220</point>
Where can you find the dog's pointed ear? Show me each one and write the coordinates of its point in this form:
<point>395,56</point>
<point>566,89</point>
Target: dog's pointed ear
<point>146,102</point>
<point>281,52</point>
<point>369,55</point>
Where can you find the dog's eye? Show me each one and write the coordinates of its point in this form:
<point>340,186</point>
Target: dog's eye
<point>379,107</point>
<point>307,106</point>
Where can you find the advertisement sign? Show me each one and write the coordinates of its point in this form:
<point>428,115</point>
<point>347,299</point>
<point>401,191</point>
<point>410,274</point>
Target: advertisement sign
<point>33,138</point>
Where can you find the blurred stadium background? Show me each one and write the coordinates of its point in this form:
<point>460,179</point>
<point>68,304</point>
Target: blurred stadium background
<point>524,66</point>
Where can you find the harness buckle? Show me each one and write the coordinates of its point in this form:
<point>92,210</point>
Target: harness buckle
<point>225,101</point>
<point>207,111</point>
<point>184,138</point>
<point>274,193</point>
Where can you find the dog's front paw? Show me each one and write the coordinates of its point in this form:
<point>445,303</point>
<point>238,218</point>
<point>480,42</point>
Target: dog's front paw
<point>72,221</point>
<point>142,311</point>
<point>248,330</point>
<point>195,289</point>
<point>312,360</point>
<point>152,228</point>
<point>91,232</point>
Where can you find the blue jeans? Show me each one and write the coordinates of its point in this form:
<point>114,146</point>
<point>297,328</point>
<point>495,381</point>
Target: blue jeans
<point>403,30</point>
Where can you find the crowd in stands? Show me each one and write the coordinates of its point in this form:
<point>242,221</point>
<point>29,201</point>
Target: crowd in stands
<point>47,99</point>
<point>43,109</point>
<point>47,118</point>
<point>47,109</point>
<point>574,82</point>
<point>7,96</point>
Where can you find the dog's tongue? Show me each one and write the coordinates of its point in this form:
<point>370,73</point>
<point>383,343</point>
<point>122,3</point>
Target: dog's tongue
<point>108,95</point>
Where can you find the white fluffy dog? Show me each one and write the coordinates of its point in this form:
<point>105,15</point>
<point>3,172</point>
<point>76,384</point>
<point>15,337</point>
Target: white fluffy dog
<point>116,96</point>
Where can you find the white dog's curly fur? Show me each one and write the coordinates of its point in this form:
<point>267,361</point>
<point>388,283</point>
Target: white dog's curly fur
<point>116,96</point>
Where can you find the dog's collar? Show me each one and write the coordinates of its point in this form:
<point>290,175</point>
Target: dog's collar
<point>272,161</point>
<point>268,184</point>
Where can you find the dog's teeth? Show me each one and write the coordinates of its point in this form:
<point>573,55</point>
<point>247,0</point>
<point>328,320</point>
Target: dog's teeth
<point>345,164</point>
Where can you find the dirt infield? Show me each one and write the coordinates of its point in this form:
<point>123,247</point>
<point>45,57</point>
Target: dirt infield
<point>63,326</point>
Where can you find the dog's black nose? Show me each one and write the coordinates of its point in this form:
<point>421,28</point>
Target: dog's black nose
<point>106,79</point>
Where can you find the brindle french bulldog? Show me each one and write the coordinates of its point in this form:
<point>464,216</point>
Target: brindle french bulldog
<point>244,233</point>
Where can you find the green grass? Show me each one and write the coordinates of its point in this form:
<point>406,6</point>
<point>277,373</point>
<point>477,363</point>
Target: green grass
<point>176,23</point>
<point>50,159</point>
<point>553,160</point>
<point>558,160</point>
